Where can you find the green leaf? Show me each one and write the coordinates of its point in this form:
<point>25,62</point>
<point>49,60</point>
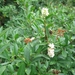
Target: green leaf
<point>64,53</point>
<point>1,28</point>
<point>5,63</point>
<point>5,55</point>
<point>28,70</point>
<point>15,49</point>
<point>5,72</point>
<point>61,74</point>
<point>10,68</point>
<point>41,56</point>
<point>33,70</point>
<point>52,62</point>
<point>3,48</point>
<point>66,39</point>
<point>73,37</point>
<point>27,52</point>
<point>3,32</point>
<point>37,29</point>
<point>41,21</point>
<point>2,69</point>
<point>21,70</point>
<point>73,71</point>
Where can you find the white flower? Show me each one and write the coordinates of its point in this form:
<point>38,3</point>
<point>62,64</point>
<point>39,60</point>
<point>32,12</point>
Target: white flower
<point>44,12</point>
<point>32,38</point>
<point>51,45</point>
<point>51,52</point>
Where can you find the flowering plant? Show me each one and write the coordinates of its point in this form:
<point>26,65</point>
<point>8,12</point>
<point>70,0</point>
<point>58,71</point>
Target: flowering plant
<point>34,43</point>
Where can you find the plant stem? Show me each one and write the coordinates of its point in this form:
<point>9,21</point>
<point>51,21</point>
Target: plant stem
<point>46,37</point>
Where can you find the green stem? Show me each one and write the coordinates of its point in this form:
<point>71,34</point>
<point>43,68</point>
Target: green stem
<point>46,37</point>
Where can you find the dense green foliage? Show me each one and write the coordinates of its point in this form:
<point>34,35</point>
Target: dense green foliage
<point>21,19</point>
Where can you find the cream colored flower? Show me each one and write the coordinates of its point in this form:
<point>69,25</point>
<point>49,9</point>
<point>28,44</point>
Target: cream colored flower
<point>32,38</point>
<point>51,45</point>
<point>51,52</point>
<point>44,12</point>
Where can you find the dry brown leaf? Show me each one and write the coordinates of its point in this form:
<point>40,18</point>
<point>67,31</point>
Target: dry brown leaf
<point>27,40</point>
<point>60,32</point>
